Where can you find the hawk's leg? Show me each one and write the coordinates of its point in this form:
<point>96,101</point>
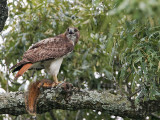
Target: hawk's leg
<point>55,79</point>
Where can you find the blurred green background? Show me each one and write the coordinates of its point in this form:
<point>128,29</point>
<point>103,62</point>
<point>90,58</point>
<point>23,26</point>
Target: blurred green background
<point>118,50</point>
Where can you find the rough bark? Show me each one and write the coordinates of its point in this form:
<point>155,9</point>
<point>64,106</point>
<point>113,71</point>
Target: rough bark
<point>57,98</point>
<point>3,13</point>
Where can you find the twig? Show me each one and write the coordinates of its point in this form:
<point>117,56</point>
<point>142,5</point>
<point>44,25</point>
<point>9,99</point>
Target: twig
<point>155,115</point>
<point>139,89</point>
<point>126,79</point>
<point>16,83</point>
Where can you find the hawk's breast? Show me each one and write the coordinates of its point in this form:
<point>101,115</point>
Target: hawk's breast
<point>53,66</point>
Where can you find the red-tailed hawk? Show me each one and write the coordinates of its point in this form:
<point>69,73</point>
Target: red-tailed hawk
<point>48,53</point>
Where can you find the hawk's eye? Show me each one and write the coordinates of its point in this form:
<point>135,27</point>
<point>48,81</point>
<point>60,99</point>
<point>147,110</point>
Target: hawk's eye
<point>75,30</point>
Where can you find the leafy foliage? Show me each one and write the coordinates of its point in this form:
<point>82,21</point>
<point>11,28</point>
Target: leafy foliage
<point>119,46</point>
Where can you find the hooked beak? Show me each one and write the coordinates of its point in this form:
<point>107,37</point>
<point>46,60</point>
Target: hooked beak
<point>71,31</point>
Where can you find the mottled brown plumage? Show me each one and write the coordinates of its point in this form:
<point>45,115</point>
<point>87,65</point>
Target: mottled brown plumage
<point>49,50</point>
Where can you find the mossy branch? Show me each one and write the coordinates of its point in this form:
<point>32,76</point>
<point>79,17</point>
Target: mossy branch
<point>57,98</point>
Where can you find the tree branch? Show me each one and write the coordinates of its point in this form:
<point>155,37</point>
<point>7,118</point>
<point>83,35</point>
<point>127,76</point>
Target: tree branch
<point>57,98</point>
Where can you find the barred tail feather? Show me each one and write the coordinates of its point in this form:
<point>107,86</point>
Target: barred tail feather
<point>23,70</point>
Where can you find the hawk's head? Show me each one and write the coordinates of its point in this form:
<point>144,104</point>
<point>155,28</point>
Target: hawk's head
<point>72,34</point>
